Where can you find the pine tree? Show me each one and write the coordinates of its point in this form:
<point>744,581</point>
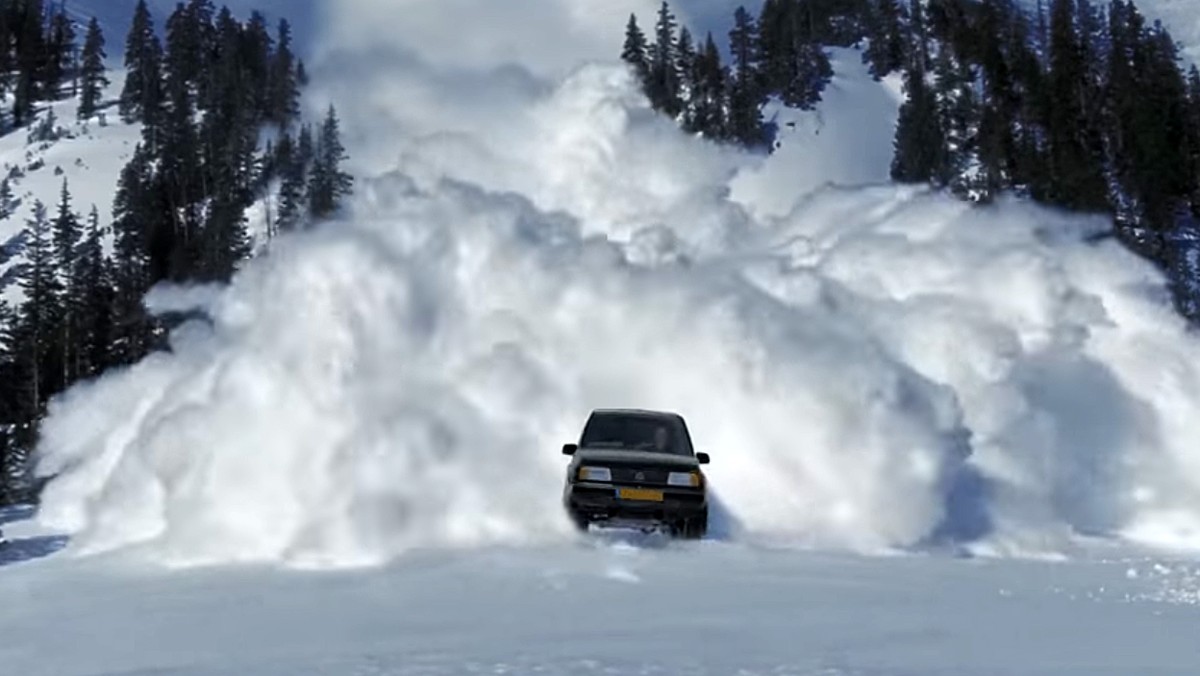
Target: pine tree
<point>809,72</point>
<point>664,87</point>
<point>180,153</point>
<point>1193,123</point>
<point>1029,111</point>
<point>60,59</point>
<point>305,147</point>
<point>1161,177</point>
<point>7,56</point>
<point>710,99</point>
<point>328,184</point>
<point>137,238</point>
<point>1077,181</point>
<point>39,313</point>
<point>7,322</point>
<point>291,189</point>
<point>777,43</point>
<point>142,94</point>
<point>1125,30</point>
<point>634,52</point>
<point>959,119</point>
<point>1042,36</point>
<point>842,23</point>
<point>191,39</point>
<point>10,395</point>
<point>918,48</point>
<point>202,14</point>
<point>31,51</point>
<point>229,138</point>
<point>885,49</point>
<point>8,202</point>
<point>94,302</point>
<point>66,235</point>
<point>919,150</point>
<point>92,71</point>
<point>685,66</point>
<point>255,64</point>
<point>746,96</point>
<point>285,91</point>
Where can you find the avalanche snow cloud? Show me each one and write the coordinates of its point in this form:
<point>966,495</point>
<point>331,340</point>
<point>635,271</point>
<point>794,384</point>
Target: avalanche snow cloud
<point>870,366</point>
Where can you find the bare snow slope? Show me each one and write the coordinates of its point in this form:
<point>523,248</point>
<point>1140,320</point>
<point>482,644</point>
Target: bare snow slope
<point>870,366</point>
<point>88,154</point>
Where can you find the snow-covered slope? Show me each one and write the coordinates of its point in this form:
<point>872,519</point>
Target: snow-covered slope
<point>88,154</point>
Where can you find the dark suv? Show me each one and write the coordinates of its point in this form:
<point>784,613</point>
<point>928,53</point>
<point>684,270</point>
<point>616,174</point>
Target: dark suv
<point>634,467</point>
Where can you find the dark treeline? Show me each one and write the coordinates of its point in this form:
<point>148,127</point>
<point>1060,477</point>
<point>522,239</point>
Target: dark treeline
<point>1079,104</point>
<point>688,80</point>
<point>204,92</point>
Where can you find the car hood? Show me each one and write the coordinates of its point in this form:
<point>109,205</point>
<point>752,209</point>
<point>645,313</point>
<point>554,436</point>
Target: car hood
<point>608,456</point>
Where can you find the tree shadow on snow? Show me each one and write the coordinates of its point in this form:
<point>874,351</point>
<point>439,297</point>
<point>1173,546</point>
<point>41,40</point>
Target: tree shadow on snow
<point>20,550</point>
<point>16,513</point>
<point>29,549</point>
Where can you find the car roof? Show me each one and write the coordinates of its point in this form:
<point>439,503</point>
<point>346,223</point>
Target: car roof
<point>641,412</point>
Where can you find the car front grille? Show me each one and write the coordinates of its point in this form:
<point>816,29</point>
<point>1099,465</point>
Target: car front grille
<point>640,476</point>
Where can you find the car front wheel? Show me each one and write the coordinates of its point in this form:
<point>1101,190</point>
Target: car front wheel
<point>694,528</point>
<point>579,521</point>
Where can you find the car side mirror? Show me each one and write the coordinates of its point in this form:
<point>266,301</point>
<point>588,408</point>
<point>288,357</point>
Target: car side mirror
<point>569,449</point>
<point>703,458</point>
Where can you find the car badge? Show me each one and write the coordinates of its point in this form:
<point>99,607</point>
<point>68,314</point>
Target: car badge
<point>640,476</point>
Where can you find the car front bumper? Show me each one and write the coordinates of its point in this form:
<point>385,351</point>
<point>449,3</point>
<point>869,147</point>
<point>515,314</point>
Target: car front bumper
<point>602,502</point>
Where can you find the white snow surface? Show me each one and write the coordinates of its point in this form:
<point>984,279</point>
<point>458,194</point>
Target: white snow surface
<point>613,607</point>
<point>871,367</point>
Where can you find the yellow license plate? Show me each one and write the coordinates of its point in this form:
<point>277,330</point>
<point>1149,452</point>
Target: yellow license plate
<point>640,494</point>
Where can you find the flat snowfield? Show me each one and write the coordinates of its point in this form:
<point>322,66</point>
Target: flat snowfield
<point>608,605</point>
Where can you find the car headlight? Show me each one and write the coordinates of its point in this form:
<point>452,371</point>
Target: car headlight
<point>595,474</point>
<point>684,479</point>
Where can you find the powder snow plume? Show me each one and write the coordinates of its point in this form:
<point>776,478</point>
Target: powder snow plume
<point>870,366</point>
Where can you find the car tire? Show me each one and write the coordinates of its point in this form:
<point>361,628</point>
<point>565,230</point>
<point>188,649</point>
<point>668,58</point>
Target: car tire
<point>694,528</point>
<point>579,521</point>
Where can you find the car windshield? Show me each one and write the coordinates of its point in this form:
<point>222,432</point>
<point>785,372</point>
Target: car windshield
<point>633,432</point>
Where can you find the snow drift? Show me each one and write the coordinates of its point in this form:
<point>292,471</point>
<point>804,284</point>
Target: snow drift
<point>870,366</point>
